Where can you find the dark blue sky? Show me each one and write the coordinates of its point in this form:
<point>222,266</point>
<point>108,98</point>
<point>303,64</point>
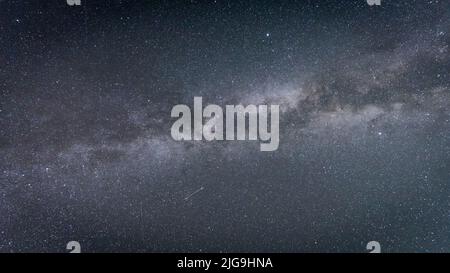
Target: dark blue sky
<point>85,147</point>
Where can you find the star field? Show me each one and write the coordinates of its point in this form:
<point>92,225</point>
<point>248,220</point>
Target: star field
<point>85,147</point>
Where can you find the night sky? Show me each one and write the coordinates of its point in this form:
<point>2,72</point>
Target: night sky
<point>86,152</point>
